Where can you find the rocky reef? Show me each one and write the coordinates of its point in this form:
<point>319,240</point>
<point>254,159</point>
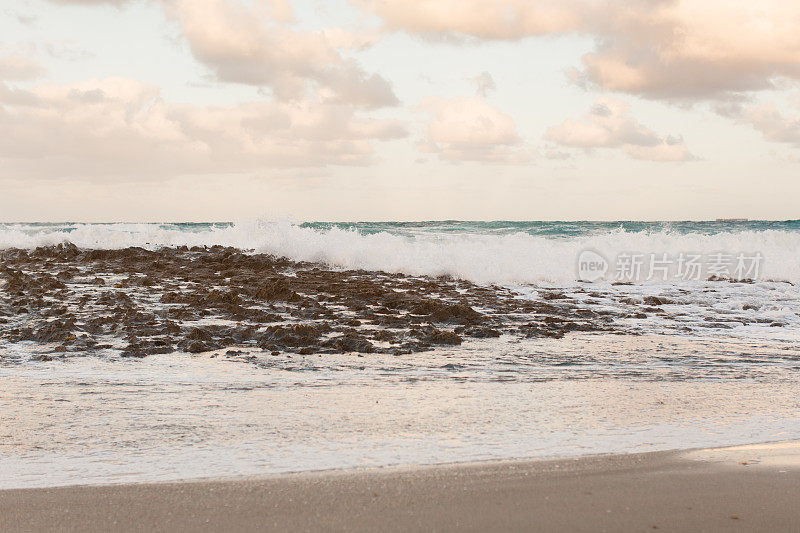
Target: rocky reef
<point>137,302</point>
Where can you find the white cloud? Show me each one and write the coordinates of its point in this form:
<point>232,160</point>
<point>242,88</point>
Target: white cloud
<point>668,49</point>
<point>122,127</point>
<point>469,129</point>
<point>240,44</point>
<point>608,124</point>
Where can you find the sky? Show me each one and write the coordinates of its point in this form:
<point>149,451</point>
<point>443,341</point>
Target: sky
<point>207,110</point>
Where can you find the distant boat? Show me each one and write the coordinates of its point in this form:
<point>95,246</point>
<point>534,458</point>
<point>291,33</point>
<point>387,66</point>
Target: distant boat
<point>732,220</point>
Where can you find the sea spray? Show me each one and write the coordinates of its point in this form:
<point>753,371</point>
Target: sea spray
<point>480,252</point>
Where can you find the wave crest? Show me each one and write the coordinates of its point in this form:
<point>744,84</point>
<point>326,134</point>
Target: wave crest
<point>516,257</point>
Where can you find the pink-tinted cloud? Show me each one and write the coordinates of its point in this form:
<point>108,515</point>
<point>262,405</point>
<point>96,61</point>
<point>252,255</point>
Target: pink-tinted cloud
<point>19,64</point>
<point>608,124</point>
<point>667,49</point>
<point>469,129</point>
<point>774,125</point>
<point>481,19</point>
<point>123,128</point>
<point>248,42</point>
<point>241,44</point>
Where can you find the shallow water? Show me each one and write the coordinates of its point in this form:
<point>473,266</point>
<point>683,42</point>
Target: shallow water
<point>174,416</point>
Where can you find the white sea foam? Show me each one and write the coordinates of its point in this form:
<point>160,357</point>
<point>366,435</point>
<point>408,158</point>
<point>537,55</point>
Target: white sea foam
<point>482,257</point>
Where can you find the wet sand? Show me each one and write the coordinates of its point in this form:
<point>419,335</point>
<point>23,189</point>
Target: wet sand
<point>746,488</point>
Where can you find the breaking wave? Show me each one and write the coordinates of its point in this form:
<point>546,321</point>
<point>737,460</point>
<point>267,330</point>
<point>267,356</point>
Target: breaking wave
<point>474,251</point>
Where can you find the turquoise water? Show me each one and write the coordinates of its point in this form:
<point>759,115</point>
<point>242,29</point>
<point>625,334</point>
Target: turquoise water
<point>558,228</point>
<point>553,229</point>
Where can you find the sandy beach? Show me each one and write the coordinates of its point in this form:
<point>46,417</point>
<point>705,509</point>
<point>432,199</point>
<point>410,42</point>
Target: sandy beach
<point>398,265</point>
<point>753,488</point>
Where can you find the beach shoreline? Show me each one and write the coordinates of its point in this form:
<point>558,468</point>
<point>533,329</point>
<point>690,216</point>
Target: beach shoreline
<point>754,487</point>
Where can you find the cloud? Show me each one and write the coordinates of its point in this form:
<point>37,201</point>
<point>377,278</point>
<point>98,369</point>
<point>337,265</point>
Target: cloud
<point>119,127</point>
<point>66,50</point>
<point>240,44</point>
<point>664,49</point>
<point>90,2</point>
<point>343,39</point>
<point>25,19</point>
<point>484,84</point>
<point>18,66</point>
<point>608,124</point>
<point>698,49</point>
<point>481,19</point>
<point>248,42</point>
<point>765,118</point>
<point>772,124</point>
<point>469,129</point>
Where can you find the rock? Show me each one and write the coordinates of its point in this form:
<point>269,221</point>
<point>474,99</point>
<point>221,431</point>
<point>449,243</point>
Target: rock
<point>656,300</point>
<point>55,331</point>
<point>537,330</point>
<point>554,296</point>
<point>133,350</point>
<point>350,343</point>
<point>441,312</point>
<point>276,290</point>
<point>254,299</point>
<point>479,332</point>
<point>295,335</point>
<point>197,347</point>
<point>199,334</point>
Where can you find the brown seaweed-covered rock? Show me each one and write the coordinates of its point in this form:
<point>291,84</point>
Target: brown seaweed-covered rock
<point>275,290</point>
<point>478,332</point>
<point>438,336</point>
<point>55,331</point>
<point>133,350</point>
<point>64,251</point>
<point>198,347</point>
<point>657,300</point>
<point>539,330</point>
<point>458,313</point>
<point>350,343</point>
<point>295,335</point>
<point>209,298</point>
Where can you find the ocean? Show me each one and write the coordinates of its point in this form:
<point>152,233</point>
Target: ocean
<point>151,352</point>
<point>484,252</point>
